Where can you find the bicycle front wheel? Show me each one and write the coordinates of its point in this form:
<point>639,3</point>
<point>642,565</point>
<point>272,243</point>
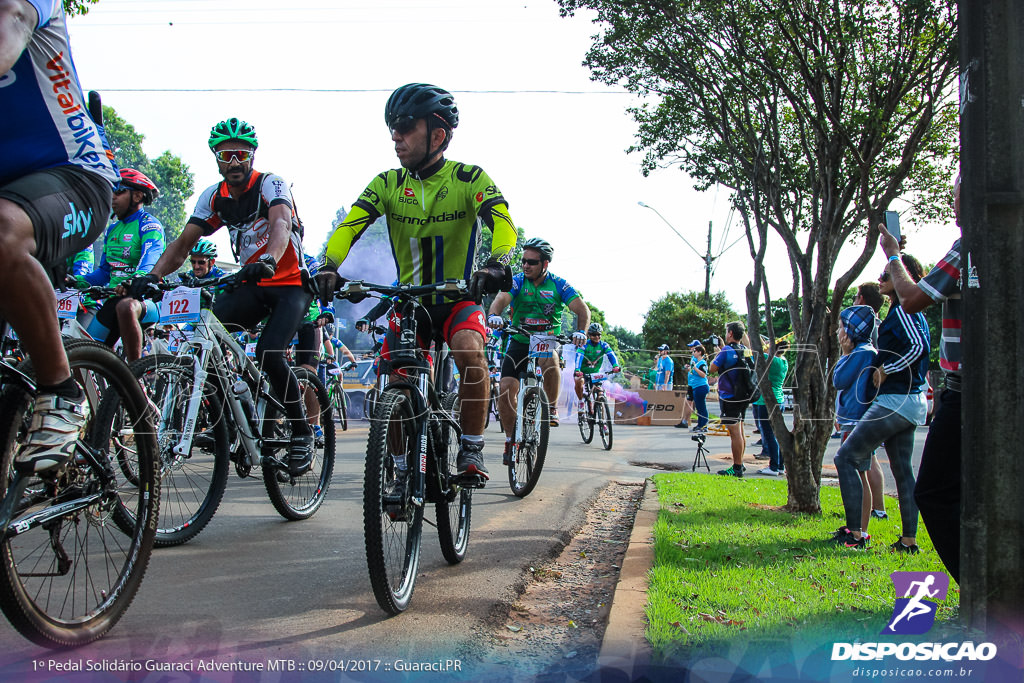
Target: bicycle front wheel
<point>528,457</point>
<point>66,580</point>
<point>392,523</point>
<point>603,418</point>
<point>297,498</point>
<point>584,419</point>
<point>191,484</point>
<point>455,505</point>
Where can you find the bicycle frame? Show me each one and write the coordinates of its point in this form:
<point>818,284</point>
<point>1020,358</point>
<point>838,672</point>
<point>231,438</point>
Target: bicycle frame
<point>207,349</point>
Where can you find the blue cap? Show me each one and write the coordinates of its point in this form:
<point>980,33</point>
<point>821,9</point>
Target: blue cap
<point>858,323</point>
<point>695,342</point>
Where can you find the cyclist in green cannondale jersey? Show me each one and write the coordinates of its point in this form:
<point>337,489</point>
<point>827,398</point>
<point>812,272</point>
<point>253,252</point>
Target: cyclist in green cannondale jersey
<point>435,210</point>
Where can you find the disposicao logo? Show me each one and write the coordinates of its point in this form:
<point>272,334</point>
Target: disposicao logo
<point>913,614</point>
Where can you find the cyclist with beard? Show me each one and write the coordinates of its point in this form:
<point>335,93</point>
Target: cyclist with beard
<point>435,209</point>
<point>258,211</point>
<point>131,246</point>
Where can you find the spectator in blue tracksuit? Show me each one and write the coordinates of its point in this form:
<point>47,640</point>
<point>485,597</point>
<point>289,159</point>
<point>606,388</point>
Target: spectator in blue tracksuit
<point>853,380</point>
<point>897,410</point>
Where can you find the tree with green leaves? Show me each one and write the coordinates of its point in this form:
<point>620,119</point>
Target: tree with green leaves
<point>817,114</point>
<point>73,7</point>
<point>678,318</point>
<point>170,174</point>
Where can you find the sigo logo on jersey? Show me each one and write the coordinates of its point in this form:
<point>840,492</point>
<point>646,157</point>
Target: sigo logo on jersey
<point>408,192</point>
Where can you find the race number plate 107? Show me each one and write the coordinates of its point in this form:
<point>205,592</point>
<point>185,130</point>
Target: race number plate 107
<point>542,346</point>
<point>180,305</point>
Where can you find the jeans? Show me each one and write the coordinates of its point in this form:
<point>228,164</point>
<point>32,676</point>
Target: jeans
<point>938,483</point>
<point>878,425</point>
<point>770,443</point>
<point>700,404</point>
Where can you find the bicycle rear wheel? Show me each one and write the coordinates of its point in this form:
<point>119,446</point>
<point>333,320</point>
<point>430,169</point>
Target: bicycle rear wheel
<point>392,523</point>
<point>603,418</point>
<point>67,580</point>
<point>298,498</point>
<point>528,456</point>
<point>192,484</point>
<point>454,506</point>
<point>584,419</point>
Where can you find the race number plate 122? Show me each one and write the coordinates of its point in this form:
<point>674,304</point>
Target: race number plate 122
<point>180,305</point>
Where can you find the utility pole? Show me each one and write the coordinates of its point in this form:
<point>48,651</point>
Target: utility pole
<point>707,271</point>
<point>992,218</point>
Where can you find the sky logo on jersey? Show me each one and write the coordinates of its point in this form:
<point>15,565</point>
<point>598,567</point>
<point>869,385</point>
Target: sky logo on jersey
<point>914,613</point>
<point>76,222</point>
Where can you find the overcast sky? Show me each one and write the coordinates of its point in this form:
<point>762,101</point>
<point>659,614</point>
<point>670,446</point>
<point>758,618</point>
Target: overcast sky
<point>316,76</point>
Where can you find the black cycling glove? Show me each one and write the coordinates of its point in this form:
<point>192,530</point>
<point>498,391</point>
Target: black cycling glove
<point>145,287</point>
<point>494,277</point>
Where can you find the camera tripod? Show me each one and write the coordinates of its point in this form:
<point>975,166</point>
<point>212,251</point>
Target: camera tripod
<point>702,452</point>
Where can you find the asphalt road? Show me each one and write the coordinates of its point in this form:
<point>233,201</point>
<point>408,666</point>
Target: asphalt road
<point>255,588</point>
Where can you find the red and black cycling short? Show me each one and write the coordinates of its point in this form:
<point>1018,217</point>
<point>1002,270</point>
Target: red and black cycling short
<point>439,323</point>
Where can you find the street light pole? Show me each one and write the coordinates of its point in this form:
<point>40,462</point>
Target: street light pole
<point>707,258</point>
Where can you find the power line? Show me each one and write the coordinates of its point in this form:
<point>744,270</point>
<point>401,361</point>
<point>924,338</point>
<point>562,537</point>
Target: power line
<point>365,90</point>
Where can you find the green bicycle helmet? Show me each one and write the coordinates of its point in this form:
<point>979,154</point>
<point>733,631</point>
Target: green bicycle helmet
<point>543,246</point>
<point>204,248</point>
<point>233,129</point>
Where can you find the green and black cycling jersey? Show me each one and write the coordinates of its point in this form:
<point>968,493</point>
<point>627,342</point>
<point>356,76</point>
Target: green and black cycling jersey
<point>434,221</point>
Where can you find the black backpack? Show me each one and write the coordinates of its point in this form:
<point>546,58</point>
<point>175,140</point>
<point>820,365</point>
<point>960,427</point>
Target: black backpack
<point>744,376</point>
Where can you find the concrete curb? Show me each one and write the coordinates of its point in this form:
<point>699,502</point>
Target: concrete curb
<point>625,647</point>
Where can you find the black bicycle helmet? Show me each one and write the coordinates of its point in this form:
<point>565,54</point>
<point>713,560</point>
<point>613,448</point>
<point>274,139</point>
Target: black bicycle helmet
<point>421,101</point>
<point>595,328</point>
<point>543,246</point>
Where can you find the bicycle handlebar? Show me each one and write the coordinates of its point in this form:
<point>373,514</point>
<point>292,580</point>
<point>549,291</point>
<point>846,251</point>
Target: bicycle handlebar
<point>357,290</point>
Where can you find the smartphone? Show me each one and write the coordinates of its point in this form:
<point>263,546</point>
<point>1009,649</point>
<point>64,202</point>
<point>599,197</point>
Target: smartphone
<point>892,224</point>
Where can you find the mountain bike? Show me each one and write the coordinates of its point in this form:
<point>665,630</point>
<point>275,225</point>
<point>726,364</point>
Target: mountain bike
<point>594,410</point>
<point>215,408</point>
<point>530,438</point>
<point>336,396</point>
<point>410,454</point>
<point>492,401</point>
<point>76,542</point>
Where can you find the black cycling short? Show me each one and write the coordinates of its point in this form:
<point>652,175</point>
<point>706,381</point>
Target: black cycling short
<point>732,411</point>
<point>245,307</point>
<point>68,207</point>
<point>689,393</point>
<point>515,359</point>
<point>307,352</point>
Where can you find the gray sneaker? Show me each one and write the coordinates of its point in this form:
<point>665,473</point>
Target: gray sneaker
<point>57,423</point>
<point>471,460</point>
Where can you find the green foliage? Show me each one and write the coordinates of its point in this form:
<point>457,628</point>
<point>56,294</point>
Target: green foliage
<point>817,114</point>
<point>714,533</point>
<point>169,172</point>
<point>73,7</point>
<point>678,318</point>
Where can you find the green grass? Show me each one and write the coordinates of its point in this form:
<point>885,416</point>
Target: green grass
<point>729,566</point>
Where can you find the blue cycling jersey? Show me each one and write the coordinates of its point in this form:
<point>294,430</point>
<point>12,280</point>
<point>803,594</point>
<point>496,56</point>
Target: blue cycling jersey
<point>45,109</point>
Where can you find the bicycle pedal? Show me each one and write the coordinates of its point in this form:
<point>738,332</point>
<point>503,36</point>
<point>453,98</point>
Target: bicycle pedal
<point>471,481</point>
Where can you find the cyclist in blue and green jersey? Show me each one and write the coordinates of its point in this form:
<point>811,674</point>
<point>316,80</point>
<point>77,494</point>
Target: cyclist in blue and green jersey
<point>81,263</point>
<point>590,357</point>
<point>435,211</point>
<point>537,298</point>
<point>131,246</point>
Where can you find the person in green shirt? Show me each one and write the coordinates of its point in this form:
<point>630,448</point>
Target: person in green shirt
<point>777,369</point>
<point>538,298</point>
